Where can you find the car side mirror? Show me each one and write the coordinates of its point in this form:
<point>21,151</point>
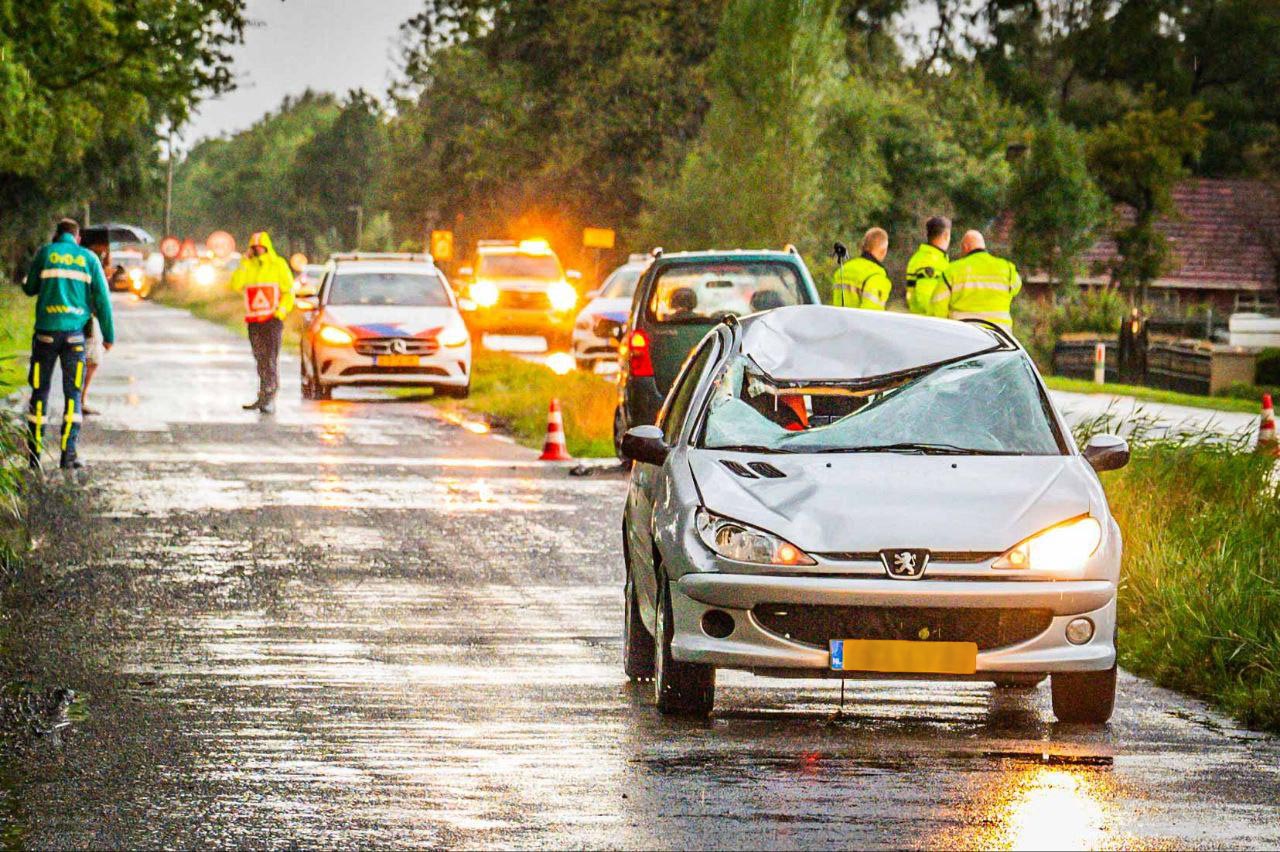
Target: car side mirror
<point>1107,452</point>
<point>305,292</point>
<point>645,444</point>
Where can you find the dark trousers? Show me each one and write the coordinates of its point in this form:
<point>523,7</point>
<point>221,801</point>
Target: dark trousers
<point>47,349</point>
<point>265,339</point>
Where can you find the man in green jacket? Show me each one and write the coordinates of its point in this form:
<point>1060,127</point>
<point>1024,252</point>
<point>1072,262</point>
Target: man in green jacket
<point>863,282</point>
<point>977,286</point>
<point>266,281</point>
<point>924,270</point>
<point>70,286</point>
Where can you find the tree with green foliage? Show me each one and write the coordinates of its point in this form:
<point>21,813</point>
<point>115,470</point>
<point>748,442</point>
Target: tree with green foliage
<point>1055,205</point>
<point>755,175</point>
<point>84,84</point>
<point>1137,160</point>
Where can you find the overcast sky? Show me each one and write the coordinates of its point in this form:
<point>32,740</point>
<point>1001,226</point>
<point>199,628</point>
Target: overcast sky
<point>327,45</point>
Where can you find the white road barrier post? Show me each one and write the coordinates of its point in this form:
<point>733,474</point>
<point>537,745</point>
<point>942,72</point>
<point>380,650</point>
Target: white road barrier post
<point>1100,364</point>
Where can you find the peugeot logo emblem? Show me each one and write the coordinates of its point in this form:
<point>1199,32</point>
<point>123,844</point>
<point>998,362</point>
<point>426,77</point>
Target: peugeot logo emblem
<point>905,563</point>
<point>399,347</point>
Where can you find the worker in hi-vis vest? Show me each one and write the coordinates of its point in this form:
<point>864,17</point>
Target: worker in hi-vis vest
<point>266,281</point>
<point>977,286</point>
<point>924,270</point>
<point>863,282</point>
<point>70,287</point>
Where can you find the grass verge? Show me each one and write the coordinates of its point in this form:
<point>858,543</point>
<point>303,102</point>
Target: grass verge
<point>17,319</point>
<point>1199,602</point>
<point>1214,403</point>
<point>513,394</point>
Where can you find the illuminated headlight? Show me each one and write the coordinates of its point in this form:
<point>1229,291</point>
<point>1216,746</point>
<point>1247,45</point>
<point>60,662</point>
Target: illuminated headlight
<point>454,335</point>
<point>741,543</point>
<point>484,294</point>
<point>1062,549</point>
<point>136,275</point>
<point>204,274</point>
<point>562,295</point>
<point>336,336</point>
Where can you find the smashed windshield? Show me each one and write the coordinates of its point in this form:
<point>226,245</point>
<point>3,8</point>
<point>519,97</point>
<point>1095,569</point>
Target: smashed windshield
<point>708,292</point>
<point>987,404</point>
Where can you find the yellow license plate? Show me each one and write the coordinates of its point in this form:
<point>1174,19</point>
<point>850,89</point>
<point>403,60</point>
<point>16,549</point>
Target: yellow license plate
<point>396,360</point>
<point>901,657</point>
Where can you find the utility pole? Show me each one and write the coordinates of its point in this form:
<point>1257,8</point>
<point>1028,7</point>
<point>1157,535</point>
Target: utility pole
<point>168,189</point>
<point>358,209</point>
<point>87,223</point>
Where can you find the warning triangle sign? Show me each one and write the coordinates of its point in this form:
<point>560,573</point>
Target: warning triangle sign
<point>261,302</point>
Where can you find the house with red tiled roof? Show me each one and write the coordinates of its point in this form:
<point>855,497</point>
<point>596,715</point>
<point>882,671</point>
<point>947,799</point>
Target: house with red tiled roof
<point>1225,246</point>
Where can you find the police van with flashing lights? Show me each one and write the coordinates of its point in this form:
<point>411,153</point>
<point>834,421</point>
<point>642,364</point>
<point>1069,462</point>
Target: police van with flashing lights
<point>520,288</point>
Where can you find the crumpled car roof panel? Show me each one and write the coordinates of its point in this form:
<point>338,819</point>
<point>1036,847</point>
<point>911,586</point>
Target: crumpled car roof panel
<point>828,344</point>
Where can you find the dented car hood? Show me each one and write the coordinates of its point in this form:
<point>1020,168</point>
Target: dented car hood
<point>833,503</point>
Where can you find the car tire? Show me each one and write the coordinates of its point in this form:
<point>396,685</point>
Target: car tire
<point>454,392</point>
<point>618,430</point>
<point>308,388</point>
<point>637,642</point>
<point>323,391</point>
<point>1084,697</point>
<point>681,689</point>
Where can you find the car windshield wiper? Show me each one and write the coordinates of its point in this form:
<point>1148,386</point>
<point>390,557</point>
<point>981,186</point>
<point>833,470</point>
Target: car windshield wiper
<point>924,449</point>
<point>748,448</point>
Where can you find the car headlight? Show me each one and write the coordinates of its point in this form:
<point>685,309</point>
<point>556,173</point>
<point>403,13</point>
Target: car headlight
<point>484,293</point>
<point>562,295</point>
<point>455,334</point>
<point>336,336</point>
<point>204,275</point>
<point>1061,549</point>
<point>742,543</point>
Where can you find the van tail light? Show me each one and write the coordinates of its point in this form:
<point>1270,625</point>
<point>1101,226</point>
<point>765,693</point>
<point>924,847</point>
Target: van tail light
<point>640,359</point>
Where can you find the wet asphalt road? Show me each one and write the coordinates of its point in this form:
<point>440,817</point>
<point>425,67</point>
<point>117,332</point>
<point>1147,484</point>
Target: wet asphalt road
<point>356,624</point>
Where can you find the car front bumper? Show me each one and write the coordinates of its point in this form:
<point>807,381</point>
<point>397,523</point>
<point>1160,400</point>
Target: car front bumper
<point>519,321</point>
<point>587,345</point>
<point>342,365</point>
<point>754,647</point>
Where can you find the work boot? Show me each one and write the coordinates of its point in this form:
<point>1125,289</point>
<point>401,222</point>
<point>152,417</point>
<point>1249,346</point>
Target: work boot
<point>256,405</point>
<point>268,407</point>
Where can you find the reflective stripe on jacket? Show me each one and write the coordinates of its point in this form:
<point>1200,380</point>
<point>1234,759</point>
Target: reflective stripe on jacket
<point>861,283</point>
<point>978,286</point>
<point>266,282</point>
<point>924,275</point>
<point>70,287</point>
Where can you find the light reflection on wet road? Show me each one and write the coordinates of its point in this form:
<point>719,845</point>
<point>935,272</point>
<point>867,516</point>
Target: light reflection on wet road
<point>355,624</point>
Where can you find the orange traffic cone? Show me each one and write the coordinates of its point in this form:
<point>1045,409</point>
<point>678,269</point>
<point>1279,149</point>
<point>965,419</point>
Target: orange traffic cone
<point>1267,428</point>
<point>554,449</point>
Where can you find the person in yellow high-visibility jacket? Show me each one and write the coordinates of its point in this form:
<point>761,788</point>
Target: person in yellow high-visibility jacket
<point>924,270</point>
<point>977,286</point>
<point>863,282</point>
<point>266,281</point>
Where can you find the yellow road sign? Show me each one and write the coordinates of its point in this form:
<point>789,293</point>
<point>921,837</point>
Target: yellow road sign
<point>601,238</point>
<point>442,245</point>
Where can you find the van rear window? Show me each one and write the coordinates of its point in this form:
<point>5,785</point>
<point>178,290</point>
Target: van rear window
<point>708,292</point>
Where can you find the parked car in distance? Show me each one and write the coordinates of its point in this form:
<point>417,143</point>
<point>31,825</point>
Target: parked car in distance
<point>838,493</point>
<point>519,288</point>
<point>384,319</point>
<point>678,298</point>
<point>612,304</point>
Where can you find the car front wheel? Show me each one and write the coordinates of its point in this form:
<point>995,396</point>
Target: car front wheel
<point>1086,697</point>
<point>681,689</point>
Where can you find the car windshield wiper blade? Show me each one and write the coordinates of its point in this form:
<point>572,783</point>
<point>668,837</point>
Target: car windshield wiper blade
<point>748,448</point>
<point>925,449</point>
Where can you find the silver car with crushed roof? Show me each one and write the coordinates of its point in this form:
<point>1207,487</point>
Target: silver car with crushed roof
<point>840,493</point>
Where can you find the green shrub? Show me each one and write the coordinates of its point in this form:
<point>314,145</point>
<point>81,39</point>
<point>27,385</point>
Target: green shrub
<point>1038,323</point>
<point>1269,367</point>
